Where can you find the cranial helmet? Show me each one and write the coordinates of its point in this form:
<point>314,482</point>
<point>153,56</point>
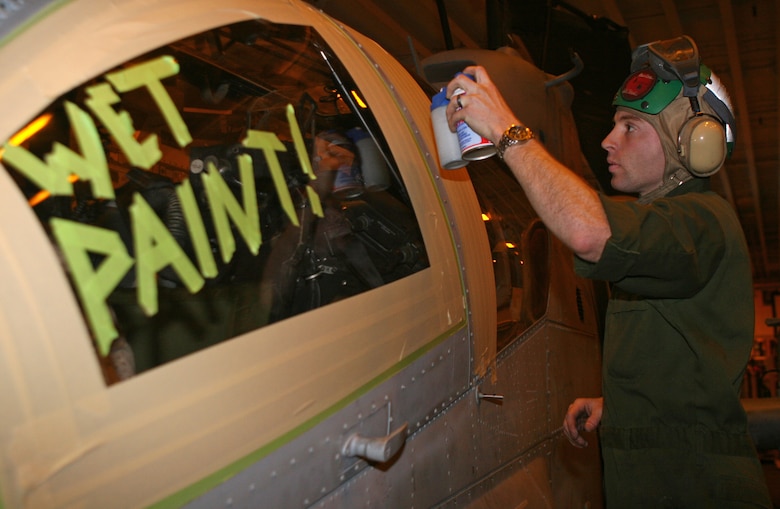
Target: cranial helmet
<point>685,103</point>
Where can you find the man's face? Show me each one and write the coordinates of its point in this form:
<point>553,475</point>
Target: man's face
<point>634,154</point>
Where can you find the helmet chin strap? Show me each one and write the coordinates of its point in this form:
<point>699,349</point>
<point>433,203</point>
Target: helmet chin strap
<point>676,179</point>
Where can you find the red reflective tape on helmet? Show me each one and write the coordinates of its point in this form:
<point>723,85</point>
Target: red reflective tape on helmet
<point>638,85</point>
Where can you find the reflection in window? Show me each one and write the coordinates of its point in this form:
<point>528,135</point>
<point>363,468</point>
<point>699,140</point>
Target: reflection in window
<point>519,245</point>
<point>221,183</point>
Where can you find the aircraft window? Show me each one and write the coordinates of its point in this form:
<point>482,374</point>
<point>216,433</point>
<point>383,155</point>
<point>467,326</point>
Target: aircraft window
<point>211,187</point>
<point>519,245</point>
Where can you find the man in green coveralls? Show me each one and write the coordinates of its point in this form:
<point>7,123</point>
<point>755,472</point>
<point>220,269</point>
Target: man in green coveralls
<point>680,318</point>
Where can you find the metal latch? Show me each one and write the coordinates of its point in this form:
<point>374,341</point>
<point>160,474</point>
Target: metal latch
<point>378,449</point>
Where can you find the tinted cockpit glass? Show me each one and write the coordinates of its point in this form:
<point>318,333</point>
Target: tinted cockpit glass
<point>216,185</point>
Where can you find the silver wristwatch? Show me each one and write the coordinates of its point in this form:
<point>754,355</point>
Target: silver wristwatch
<point>514,135</point>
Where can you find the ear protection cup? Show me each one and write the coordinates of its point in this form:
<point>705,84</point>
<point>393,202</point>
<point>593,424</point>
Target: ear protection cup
<point>702,145</point>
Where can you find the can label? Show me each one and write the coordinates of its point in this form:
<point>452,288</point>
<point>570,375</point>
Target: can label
<point>473,147</point>
<point>348,183</point>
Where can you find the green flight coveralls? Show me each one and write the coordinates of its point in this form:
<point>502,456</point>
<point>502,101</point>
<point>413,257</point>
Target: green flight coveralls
<point>679,333</point>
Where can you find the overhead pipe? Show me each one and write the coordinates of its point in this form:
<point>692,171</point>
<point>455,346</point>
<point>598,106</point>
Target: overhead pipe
<point>445,25</point>
<point>496,16</point>
<point>571,73</point>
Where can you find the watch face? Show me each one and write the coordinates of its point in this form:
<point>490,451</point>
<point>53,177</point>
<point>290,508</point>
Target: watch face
<point>520,133</point>
<point>512,136</point>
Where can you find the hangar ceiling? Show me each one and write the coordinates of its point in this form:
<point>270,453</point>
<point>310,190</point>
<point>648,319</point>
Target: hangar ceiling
<point>738,39</point>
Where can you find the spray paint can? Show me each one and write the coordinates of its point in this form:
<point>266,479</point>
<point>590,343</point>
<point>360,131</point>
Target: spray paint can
<point>447,144</point>
<point>473,147</point>
<point>376,175</point>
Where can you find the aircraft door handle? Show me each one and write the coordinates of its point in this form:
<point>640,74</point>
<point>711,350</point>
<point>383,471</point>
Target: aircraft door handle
<point>379,449</point>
